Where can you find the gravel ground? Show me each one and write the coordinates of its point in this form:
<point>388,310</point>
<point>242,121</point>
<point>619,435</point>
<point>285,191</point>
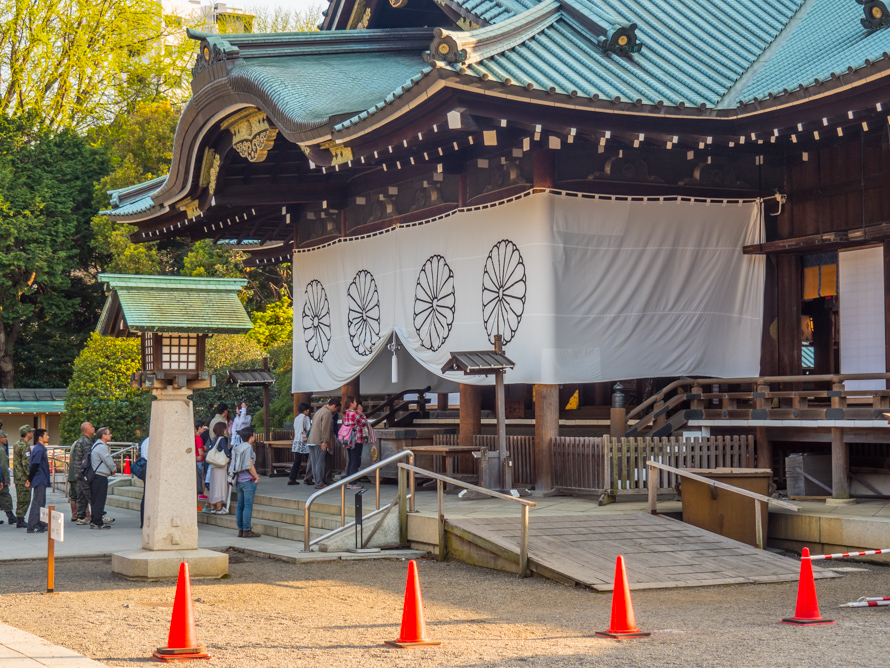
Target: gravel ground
<point>271,613</point>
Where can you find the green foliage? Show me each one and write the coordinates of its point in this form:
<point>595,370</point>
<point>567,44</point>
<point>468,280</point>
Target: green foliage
<point>215,260</point>
<point>80,63</point>
<point>100,390</point>
<point>281,19</point>
<point>46,202</point>
<point>232,351</point>
<point>273,325</point>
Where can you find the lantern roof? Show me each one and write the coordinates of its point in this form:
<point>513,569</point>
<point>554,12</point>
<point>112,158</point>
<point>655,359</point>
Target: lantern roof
<point>182,304</point>
<point>478,362</point>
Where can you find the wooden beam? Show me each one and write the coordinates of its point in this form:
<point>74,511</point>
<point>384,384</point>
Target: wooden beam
<point>821,243</point>
<point>789,302</point>
<point>282,194</point>
<point>887,308</point>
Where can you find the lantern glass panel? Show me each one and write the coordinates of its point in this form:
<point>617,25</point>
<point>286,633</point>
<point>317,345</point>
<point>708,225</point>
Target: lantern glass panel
<point>179,351</point>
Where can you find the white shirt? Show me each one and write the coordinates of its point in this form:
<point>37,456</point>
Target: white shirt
<point>143,449</point>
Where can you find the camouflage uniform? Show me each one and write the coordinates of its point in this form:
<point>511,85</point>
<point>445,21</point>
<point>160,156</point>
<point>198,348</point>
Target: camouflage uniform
<point>5,496</point>
<point>20,466</point>
<point>80,487</point>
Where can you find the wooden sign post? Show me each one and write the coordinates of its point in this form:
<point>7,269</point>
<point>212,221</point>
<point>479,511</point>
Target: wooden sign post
<point>55,531</point>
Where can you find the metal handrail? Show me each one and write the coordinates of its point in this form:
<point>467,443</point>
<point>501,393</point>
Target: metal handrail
<point>758,498</point>
<point>341,485</point>
<point>440,484</point>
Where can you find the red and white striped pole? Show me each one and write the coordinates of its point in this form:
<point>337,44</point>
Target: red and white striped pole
<point>867,602</point>
<point>840,555</point>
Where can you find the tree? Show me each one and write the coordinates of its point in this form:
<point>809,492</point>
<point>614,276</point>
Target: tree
<point>280,19</point>
<point>81,63</point>
<point>100,390</point>
<point>46,202</point>
<point>274,324</point>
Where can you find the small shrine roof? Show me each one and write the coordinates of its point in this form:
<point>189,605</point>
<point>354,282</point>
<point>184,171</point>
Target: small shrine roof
<point>172,304</point>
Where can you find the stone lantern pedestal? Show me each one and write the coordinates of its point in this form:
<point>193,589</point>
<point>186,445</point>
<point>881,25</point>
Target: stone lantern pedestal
<point>170,533</point>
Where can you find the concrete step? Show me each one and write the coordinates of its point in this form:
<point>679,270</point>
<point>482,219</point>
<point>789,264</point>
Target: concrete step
<point>287,505</point>
<point>283,516</point>
<point>264,527</point>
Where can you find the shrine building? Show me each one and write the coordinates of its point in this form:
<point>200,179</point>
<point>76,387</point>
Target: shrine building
<point>631,191</point>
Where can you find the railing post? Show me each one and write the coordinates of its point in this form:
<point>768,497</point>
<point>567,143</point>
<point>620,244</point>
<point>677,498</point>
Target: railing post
<point>342,506</point>
<point>652,479</point>
<point>618,414</point>
<point>441,498</point>
<point>377,487</point>
<point>523,542</point>
<point>403,506</point>
<point>697,404</point>
<point>758,524</point>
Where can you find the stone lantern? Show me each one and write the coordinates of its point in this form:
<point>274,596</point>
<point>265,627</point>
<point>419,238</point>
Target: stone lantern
<point>173,316</point>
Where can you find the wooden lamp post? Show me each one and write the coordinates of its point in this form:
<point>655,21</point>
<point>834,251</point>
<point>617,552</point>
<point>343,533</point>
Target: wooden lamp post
<point>173,316</point>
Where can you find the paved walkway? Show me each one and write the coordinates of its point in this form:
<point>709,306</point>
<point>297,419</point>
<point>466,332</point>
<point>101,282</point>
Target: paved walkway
<point>19,649</point>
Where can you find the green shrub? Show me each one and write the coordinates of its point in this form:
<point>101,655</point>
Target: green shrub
<point>100,391</point>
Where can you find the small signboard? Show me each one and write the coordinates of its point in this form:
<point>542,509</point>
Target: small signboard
<point>44,515</point>
<point>57,527</point>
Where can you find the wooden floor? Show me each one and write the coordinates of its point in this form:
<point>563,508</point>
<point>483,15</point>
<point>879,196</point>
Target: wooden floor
<point>659,552</point>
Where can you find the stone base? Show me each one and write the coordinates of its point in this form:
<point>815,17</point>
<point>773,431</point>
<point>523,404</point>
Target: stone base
<point>152,565</point>
<point>840,502</point>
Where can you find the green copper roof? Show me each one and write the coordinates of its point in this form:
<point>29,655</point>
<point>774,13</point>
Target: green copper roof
<point>826,41</point>
<point>173,304</point>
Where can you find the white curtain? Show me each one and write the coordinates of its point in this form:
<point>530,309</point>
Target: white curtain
<point>582,288</point>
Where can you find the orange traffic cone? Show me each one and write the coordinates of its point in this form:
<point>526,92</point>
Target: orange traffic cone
<point>182,643</point>
<point>413,633</point>
<point>623,624</point>
<point>807,612</point>
<point>126,466</point>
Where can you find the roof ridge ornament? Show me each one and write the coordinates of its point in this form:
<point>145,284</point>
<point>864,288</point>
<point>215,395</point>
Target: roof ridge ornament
<point>877,15</point>
<point>212,49</point>
<point>455,46</point>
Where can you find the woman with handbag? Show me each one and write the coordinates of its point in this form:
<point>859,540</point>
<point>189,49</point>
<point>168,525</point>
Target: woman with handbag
<point>218,459</point>
<point>352,436</point>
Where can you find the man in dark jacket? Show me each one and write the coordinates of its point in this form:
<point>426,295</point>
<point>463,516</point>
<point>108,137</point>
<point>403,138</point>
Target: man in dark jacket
<point>321,440</point>
<point>38,480</point>
<point>5,496</point>
<point>79,450</point>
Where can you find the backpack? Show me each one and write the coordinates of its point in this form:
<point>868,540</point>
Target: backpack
<point>87,472</point>
<point>346,436</point>
<point>139,467</point>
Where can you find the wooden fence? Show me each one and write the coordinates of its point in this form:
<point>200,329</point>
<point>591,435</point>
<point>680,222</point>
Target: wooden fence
<point>521,449</point>
<point>628,456</point>
<point>579,464</point>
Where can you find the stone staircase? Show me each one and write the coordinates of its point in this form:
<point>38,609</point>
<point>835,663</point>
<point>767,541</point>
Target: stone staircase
<point>272,516</point>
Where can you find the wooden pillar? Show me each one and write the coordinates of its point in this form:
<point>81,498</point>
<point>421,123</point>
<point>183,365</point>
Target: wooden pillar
<point>352,388</point>
<point>887,308</point>
<point>769,343</point>
<point>546,429</point>
<point>840,464</point>
<point>267,411</point>
<point>764,449</point>
<point>442,401</point>
<point>470,413</point>
<point>788,307</point>
<point>301,398</point>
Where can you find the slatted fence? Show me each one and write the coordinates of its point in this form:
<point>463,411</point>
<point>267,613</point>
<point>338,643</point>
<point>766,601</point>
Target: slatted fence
<point>628,457</point>
<point>579,464</point>
<point>522,452</point>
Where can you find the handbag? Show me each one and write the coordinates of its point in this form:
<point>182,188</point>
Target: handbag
<point>217,457</point>
<point>346,436</point>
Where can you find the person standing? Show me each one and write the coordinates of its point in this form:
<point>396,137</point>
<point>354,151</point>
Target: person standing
<point>81,488</point>
<point>302,423</point>
<point>218,483</point>
<point>38,480</point>
<point>143,453</point>
<point>242,420</point>
<point>354,420</point>
<point>21,455</point>
<point>321,440</point>
<point>244,475</point>
<point>5,496</point>
<point>103,467</point>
